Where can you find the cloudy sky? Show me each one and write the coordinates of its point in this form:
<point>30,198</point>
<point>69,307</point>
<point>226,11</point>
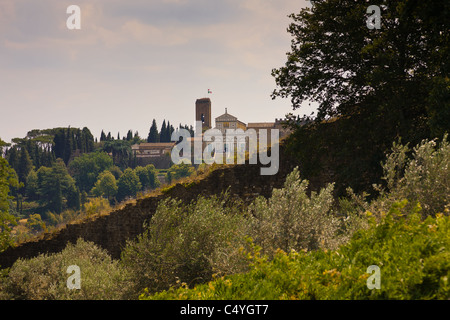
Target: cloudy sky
<point>135,60</point>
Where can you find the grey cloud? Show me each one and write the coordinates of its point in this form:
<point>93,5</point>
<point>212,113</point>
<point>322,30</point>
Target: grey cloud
<point>190,12</point>
<point>36,19</point>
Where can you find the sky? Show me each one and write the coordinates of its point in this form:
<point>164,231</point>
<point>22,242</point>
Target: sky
<point>133,61</point>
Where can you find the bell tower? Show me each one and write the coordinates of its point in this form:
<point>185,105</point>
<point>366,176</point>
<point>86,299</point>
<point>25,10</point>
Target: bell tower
<point>203,112</point>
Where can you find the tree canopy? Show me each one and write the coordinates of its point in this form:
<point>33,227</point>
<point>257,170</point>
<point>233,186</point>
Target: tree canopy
<point>128,184</point>
<point>153,135</point>
<point>397,74</point>
<point>106,185</point>
<point>8,178</point>
<point>56,188</point>
<point>86,168</point>
<point>372,86</point>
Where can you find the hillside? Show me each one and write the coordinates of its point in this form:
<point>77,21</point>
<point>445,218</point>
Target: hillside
<point>268,237</point>
<point>111,231</point>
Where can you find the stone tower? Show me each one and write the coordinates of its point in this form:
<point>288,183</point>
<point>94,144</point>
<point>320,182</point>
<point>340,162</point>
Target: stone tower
<point>203,112</point>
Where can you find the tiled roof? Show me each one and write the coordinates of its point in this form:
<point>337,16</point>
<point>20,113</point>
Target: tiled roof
<point>261,125</point>
<point>157,145</point>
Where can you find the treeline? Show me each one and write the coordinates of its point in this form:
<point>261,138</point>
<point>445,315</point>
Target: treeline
<point>166,132</point>
<point>295,244</point>
<point>43,147</point>
<point>155,135</point>
<point>371,87</point>
<point>65,172</point>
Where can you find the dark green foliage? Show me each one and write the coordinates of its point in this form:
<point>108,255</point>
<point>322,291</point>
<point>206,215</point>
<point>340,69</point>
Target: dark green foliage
<point>153,135</point>
<point>379,85</point>
<point>86,168</point>
<point>129,135</point>
<point>106,185</point>
<point>13,158</point>
<point>128,185</point>
<point>147,176</point>
<point>32,185</point>
<point>166,132</point>
<point>348,69</point>
<point>44,146</point>
<point>25,165</point>
<point>189,128</point>
<point>162,136</point>
<point>328,248</point>
<point>103,136</point>
<point>86,141</point>
<point>115,170</point>
<point>412,256</point>
<point>57,189</point>
<point>120,151</point>
<point>179,171</point>
<point>8,178</point>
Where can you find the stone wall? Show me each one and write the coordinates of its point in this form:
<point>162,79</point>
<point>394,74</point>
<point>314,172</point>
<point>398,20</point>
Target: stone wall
<point>113,230</point>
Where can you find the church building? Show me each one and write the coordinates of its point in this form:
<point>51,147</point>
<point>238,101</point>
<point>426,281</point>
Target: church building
<point>159,153</point>
<point>228,121</point>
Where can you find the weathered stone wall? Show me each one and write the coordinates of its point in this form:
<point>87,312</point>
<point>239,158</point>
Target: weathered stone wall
<point>113,230</point>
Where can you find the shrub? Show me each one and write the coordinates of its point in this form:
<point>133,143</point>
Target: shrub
<point>423,178</point>
<point>105,186</point>
<point>412,255</point>
<point>128,185</point>
<point>178,171</point>
<point>45,277</point>
<point>95,206</point>
<point>186,244</point>
<point>291,219</point>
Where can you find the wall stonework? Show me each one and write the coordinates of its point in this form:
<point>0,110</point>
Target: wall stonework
<point>113,230</point>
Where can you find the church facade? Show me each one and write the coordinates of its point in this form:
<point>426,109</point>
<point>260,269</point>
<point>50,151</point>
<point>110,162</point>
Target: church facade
<point>158,153</point>
<point>228,121</point>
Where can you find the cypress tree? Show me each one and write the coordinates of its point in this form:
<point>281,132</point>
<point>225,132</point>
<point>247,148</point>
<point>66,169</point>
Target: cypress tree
<point>163,134</point>
<point>58,146</point>
<point>88,139</point>
<point>37,158</point>
<point>170,130</point>
<point>13,158</point>
<point>67,146</point>
<point>129,135</point>
<point>57,198</point>
<point>153,135</point>
<point>25,165</point>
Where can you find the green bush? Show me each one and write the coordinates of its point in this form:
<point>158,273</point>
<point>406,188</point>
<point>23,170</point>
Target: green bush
<point>412,255</point>
<point>186,244</point>
<point>178,171</point>
<point>303,246</point>
<point>45,277</point>
<point>424,177</point>
<point>291,219</point>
